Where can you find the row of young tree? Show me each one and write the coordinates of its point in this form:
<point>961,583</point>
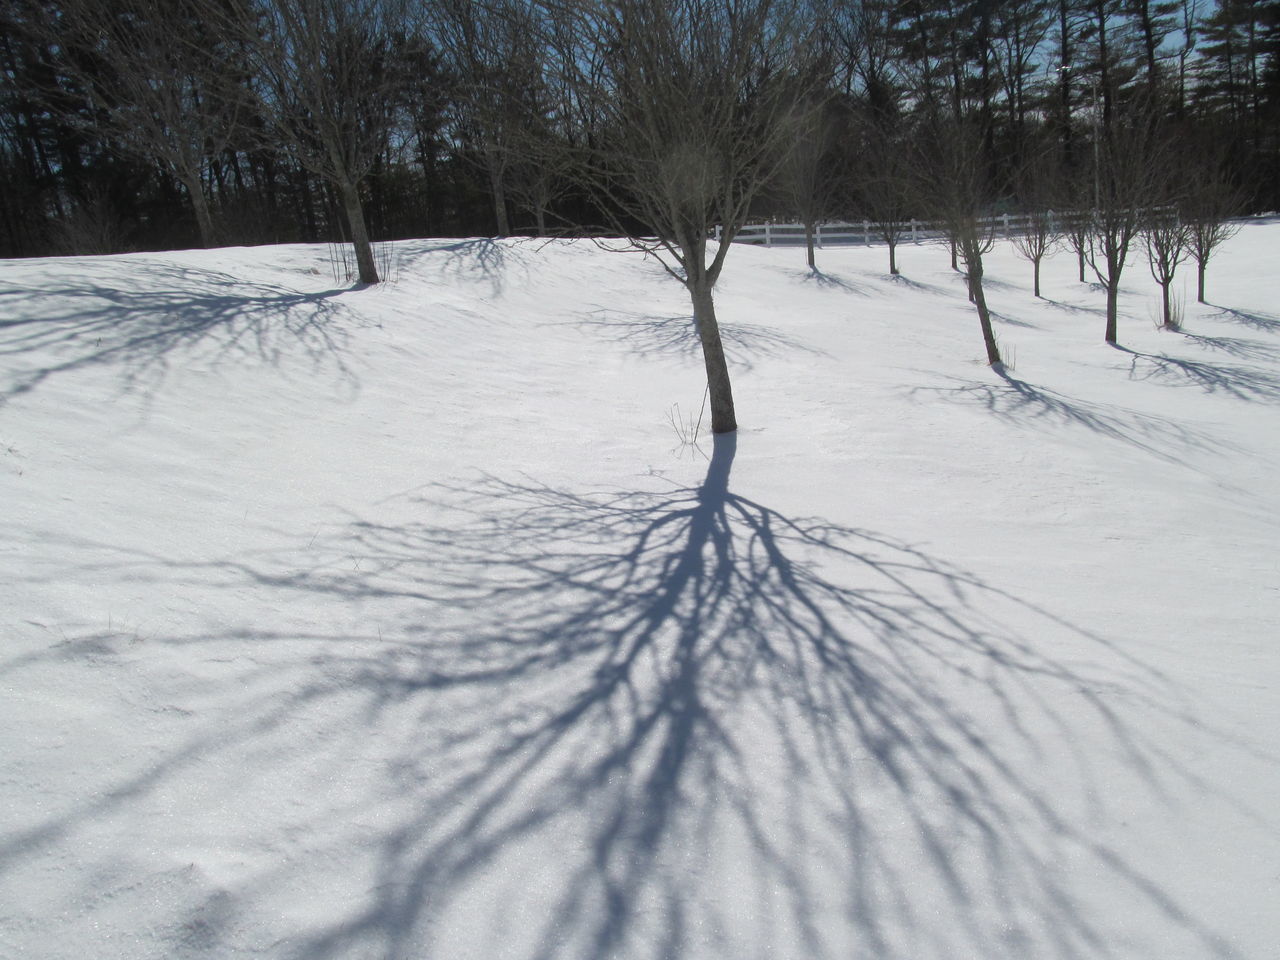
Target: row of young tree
<point>148,123</point>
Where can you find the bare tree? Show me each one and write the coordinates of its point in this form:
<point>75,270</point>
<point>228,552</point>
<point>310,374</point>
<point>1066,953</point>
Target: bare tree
<point>1075,228</point>
<point>163,89</point>
<point>1037,186</point>
<point>537,176</point>
<point>1210,203</point>
<point>1167,242</point>
<point>1038,238</point>
<point>1126,177</point>
<point>810,176</point>
<point>886,192</point>
<point>535,118</point>
<point>955,183</point>
<point>330,86</point>
<point>689,98</point>
<point>1166,236</point>
<point>494,52</point>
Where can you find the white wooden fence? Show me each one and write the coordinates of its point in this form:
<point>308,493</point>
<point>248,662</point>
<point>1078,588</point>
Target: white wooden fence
<point>867,232</point>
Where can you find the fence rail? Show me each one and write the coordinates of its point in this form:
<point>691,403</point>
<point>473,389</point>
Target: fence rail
<point>867,232</point>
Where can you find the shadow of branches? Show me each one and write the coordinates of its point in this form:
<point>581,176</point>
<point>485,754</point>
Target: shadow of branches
<point>682,724</point>
<point>1074,307</point>
<point>734,729</point>
<point>918,285</point>
<point>829,281</point>
<point>1248,350</point>
<point>139,321</point>
<point>1017,401</point>
<point>675,335</point>
<point>1242,383</point>
<point>1255,320</point>
<point>1014,321</point>
<point>475,260</point>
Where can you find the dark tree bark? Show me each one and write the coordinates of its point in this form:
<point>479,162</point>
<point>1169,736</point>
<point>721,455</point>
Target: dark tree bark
<point>973,262</point>
<point>200,205</point>
<point>366,267</point>
<point>720,390</point>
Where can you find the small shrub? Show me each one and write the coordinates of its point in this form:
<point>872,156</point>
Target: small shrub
<point>1177,313</point>
<point>686,428</point>
<point>342,262</point>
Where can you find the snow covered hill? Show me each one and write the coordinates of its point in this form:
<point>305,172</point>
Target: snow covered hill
<point>400,622</point>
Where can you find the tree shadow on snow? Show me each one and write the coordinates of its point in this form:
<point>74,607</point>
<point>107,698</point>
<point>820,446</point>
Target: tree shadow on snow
<point>1255,319</point>
<point>140,320</point>
<point>1242,383</point>
<point>651,335</point>
<point>476,260</point>
<point>691,689</point>
<point>1239,349</point>
<point>828,281</point>
<point>903,280</point>
<point>1013,321</point>
<point>1019,402</point>
<point>1074,307</point>
<point>681,723</point>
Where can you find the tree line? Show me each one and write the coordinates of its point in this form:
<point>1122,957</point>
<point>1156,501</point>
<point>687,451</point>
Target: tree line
<point>143,124</point>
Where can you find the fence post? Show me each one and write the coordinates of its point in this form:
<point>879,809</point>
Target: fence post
<point>768,235</point>
<point>913,231</point>
<point>1004,217</point>
<point>866,233</point>
<point>819,236</point>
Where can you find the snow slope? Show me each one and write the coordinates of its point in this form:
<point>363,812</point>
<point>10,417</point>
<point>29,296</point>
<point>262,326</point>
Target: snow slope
<point>397,622</point>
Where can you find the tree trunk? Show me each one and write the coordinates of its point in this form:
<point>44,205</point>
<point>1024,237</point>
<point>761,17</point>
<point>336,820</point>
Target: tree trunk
<point>1036,268</point>
<point>499,193</point>
<point>1080,259</point>
<point>359,234</point>
<point>1113,295</point>
<point>984,318</point>
<point>1064,89</point>
<point>200,205</point>
<point>808,242</point>
<point>1164,296</point>
<point>954,262</point>
<point>723,418</point>
<point>971,252</point>
<point>893,259</point>
<point>1200,263</point>
<point>308,204</point>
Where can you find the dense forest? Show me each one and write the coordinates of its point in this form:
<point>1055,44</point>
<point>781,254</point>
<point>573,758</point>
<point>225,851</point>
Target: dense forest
<point>152,124</point>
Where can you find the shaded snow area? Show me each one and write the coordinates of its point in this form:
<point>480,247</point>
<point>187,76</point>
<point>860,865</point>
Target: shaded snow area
<point>399,623</point>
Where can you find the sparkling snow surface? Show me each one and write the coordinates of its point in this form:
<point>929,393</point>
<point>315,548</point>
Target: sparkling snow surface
<point>398,623</point>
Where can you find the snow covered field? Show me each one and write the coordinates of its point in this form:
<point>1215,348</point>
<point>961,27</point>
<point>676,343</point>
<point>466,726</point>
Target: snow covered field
<point>397,622</point>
